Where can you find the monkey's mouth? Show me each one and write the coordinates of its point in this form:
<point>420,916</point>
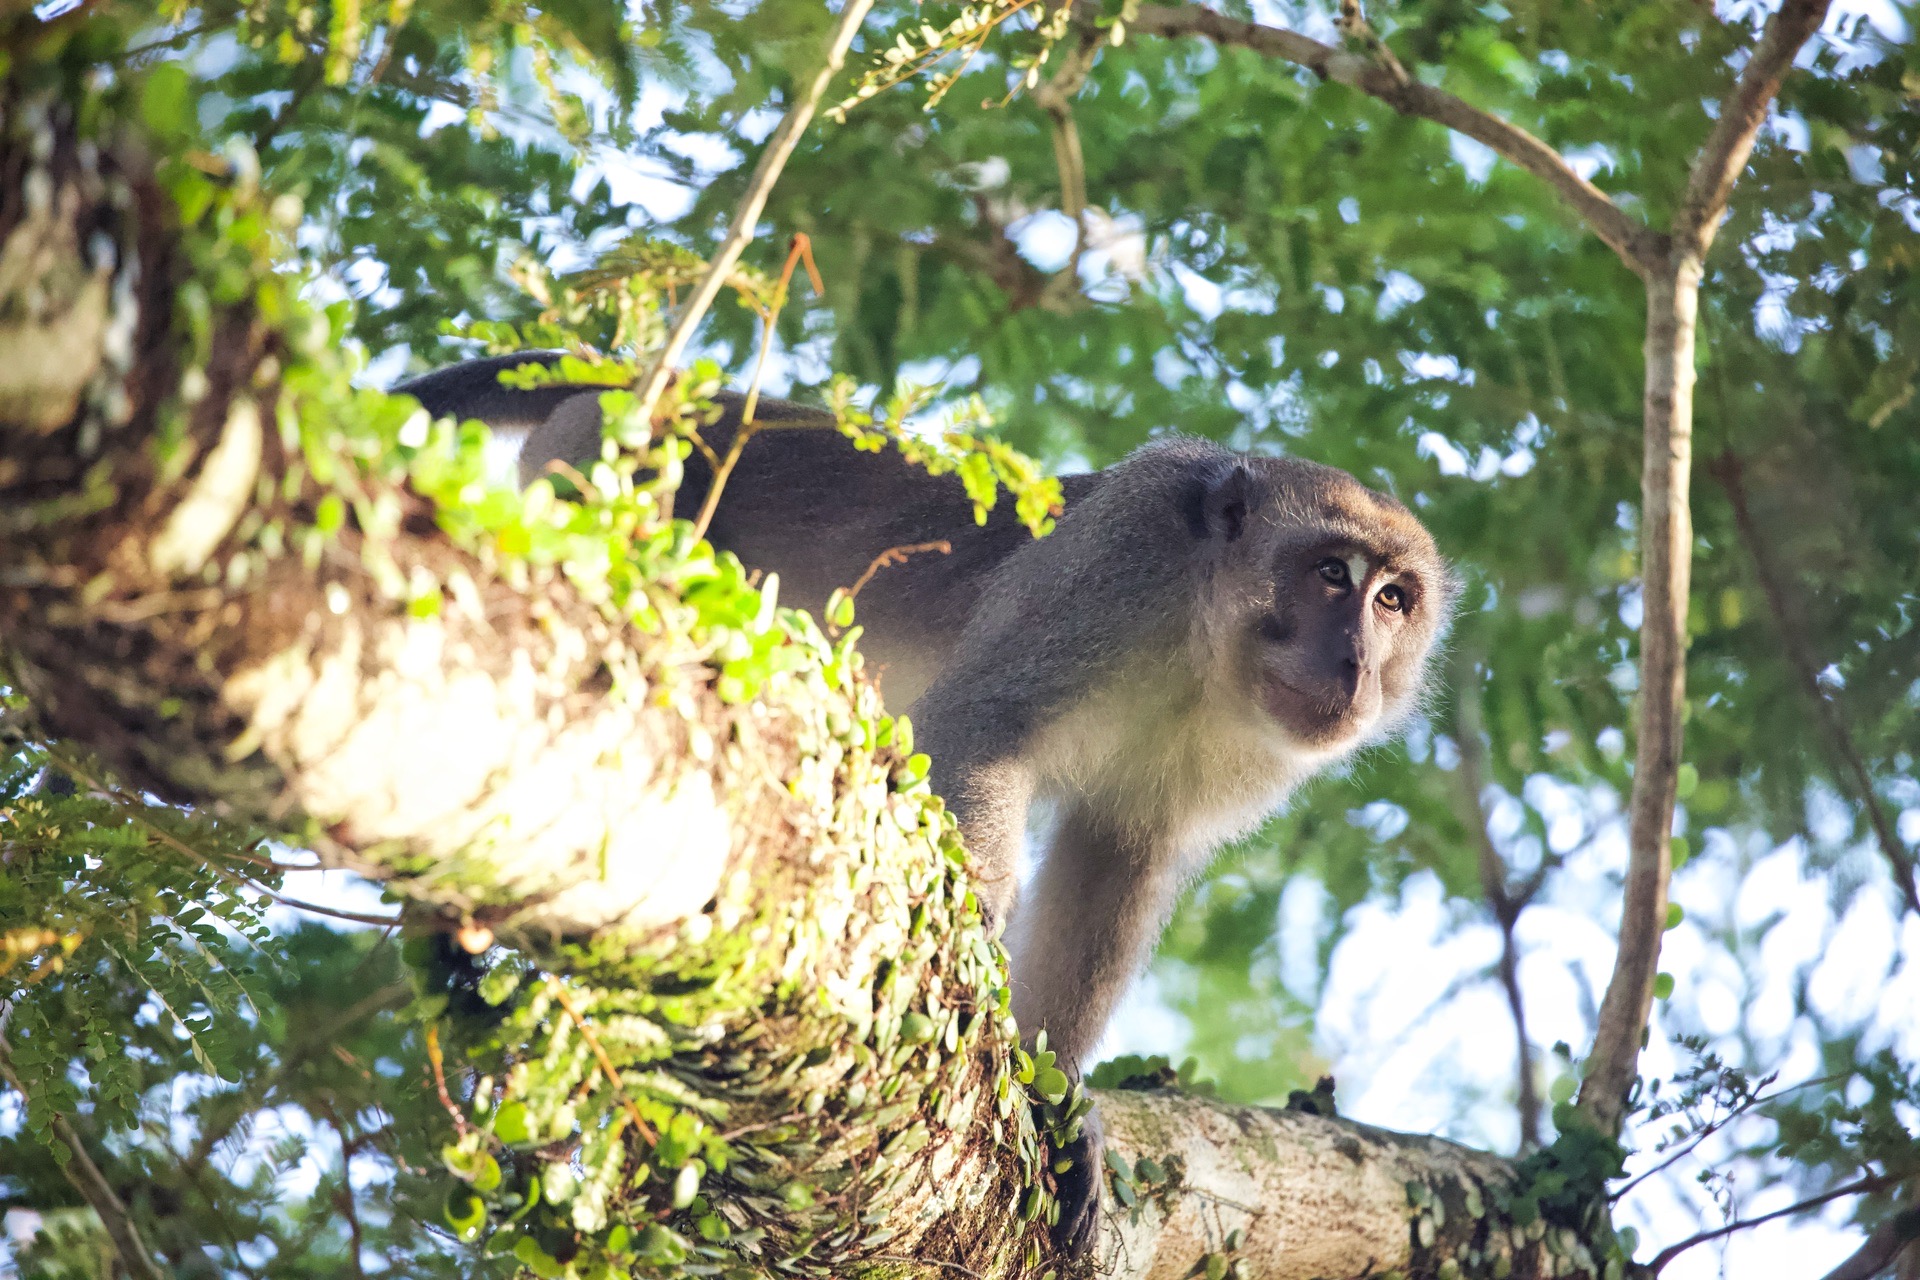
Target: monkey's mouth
<point>1321,719</point>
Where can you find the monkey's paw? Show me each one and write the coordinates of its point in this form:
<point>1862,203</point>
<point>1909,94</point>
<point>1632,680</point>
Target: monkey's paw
<point>1078,1190</point>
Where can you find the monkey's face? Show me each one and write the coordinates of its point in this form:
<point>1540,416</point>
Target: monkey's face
<point>1355,598</point>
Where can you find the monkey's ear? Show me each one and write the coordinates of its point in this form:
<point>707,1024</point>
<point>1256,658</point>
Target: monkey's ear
<point>1225,497</point>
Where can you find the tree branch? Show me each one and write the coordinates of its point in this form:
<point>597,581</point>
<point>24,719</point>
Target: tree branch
<point>92,1185</point>
<point>1505,904</point>
<point>1863,1186</point>
<point>1721,161</point>
<point>1639,246</point>
<point>1666,573</point>
<point>1884,1247</point>
<point>1787,619</point>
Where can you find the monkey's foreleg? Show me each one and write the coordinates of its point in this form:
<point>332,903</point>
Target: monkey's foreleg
<point>989,799</point>
<point>1093,911</point>
<point>1089,919</point>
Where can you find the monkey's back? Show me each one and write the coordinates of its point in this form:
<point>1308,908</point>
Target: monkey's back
<point>803,502</point>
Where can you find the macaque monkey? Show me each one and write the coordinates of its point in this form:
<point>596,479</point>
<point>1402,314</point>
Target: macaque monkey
<point>1201,633</point>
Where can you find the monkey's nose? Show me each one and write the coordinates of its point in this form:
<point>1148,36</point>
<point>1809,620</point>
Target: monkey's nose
<point>1352,673</point>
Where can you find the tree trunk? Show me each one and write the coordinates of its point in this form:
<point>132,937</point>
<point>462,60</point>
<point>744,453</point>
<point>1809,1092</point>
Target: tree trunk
<point>1666,568</point>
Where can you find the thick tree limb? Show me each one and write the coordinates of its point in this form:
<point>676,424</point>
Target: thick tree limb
<point>1638,245</point>
<point>1310,1197</point>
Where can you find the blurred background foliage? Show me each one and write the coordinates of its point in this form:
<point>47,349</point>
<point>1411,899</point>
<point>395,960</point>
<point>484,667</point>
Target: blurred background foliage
<point>1267,260</point>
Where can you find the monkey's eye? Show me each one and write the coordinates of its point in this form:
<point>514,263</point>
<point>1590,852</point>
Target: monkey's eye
<point>1392,598</point>
<point>1334,571</point>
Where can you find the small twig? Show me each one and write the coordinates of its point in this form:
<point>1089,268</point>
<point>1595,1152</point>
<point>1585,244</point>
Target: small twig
<point>606,1063</point>
<point>174,41</point>
<point>745,1129</point>
<point>746,216</point>
<point>1860,1188</point>
<point>799,248</point>
<point>86,1178</point>
<point>572,473</point>
<point>1505,903</point>
<point>1714,1126</point>
<point>927,1262</point>
<point>896,555</point>
<point>436,1062</point>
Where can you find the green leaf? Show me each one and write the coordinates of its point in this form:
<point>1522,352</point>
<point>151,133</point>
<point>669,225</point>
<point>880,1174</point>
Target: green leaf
<point>166,103</point>
<point>513,1124</point>
<point>464,1211</point>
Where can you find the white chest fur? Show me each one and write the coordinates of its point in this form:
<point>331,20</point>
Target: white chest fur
<point>1176,762</point>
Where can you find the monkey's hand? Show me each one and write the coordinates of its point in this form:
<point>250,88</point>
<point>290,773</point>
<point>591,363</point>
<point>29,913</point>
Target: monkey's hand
<point>1079,1147</point>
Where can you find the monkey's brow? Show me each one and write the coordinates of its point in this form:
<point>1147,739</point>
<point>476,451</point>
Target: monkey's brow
<point>1348,542</point>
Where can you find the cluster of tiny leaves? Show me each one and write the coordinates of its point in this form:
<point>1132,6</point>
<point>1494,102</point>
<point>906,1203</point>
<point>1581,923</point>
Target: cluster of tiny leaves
<point>109,897</point>
<point>942,55</point>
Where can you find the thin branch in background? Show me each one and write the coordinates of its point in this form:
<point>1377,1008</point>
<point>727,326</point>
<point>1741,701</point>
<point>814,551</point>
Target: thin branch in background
<point>1666,551</point>
<point>1055,97</point>
<point>1789,623</point>
<point>1865,1186</point>
<point>437,1064</point>
<point>746,215</point>
<point>799,250</point>
<point>1742,113</point>
<point>134,810</point>
<point>1895,1242</point>
<point>893,556</point>
<point>1715,1125</point>
<point>343,1199</point>
<point>296,1054</point>
<point>1503,899</point>
<point>1639,246</point>
<point>86,1178</point>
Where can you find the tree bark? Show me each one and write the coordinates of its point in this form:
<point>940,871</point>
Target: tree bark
<point>1666,568</point>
